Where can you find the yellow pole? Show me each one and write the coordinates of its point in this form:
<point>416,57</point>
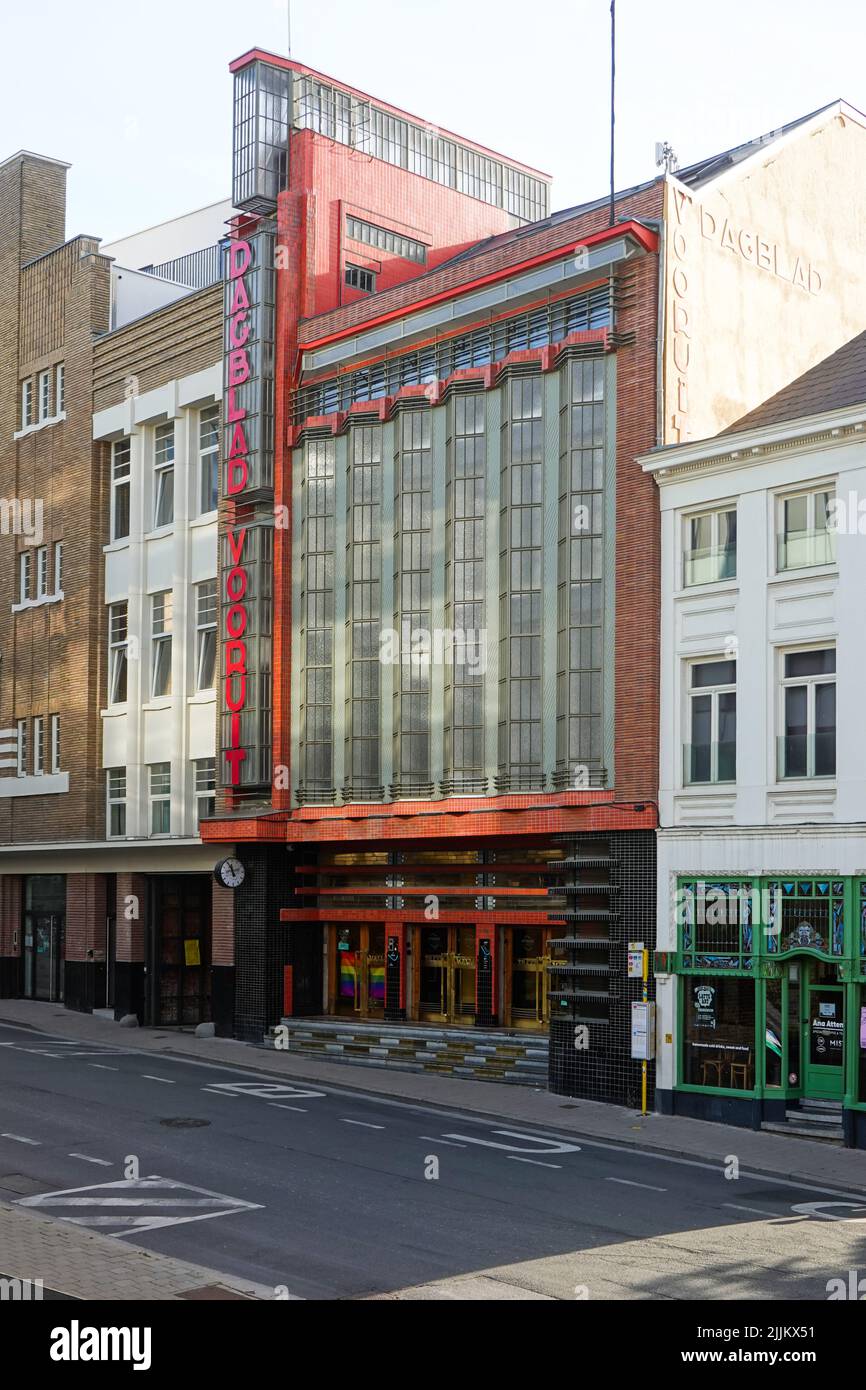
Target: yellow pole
<point>644,1062</point>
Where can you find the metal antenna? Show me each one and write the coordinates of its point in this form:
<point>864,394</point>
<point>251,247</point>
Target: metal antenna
<point>612,109</point>
<point>289,21</point>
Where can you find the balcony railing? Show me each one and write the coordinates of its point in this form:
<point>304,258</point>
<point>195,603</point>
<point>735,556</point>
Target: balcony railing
<point>709,565</point>
<point>709,764</point>
<point>805,549</point>
<point>806,755</point>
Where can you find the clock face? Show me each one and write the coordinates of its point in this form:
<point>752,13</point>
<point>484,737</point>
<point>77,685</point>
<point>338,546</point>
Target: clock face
<point>232,873</point>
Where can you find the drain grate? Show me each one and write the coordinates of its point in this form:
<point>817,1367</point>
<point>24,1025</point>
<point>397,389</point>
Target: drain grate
<point>181,1123</point>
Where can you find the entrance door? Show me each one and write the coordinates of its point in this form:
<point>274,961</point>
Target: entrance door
<point>529,979</point>
<point>43,956</point>
<point>447,986</point>
<point>360,971</point>
<point>824,1036</point>
<point>179,952</point>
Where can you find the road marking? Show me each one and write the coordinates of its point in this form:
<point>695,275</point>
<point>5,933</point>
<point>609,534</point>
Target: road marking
<point>534,1161</point>
<point>85,1158</point>
<point>100,1067</point>
<point>164,1079</point>
<point>361,1124</point>
<point>626,1182</point>
<point>439,1140</point>
<point>756,1211</point>
<point>19,1139</point>
<point>822,1210</point>
<point>137,1204</point>
<point>297,1109</point>
<point>547,1146</point>
<point>263,1090</point>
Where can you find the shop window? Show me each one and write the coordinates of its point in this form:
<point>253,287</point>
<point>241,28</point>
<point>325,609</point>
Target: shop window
<point>718,1045</point>
<point>773,1034</point>
<point>716,924</point>
<point>806,914</point>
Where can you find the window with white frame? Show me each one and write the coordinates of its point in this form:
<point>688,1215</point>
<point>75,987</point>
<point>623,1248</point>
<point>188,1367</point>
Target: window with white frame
<point>206,631</point>
<point>161,610</point>
<point>58,567</point>
<point>116,802</point>
<point>806,533</point>
<point>711,753</point>
<point>44,396</point>
<point>42,571</point>
<point>205,788</point>
<point>24,564</point>
<point>163,476</point>
<point>55,743</point>
<point>38,746</point>
<point>60,389</point>
<point>26,404</point>
<point>21,728</point>
<point>118,651</point>
<point>807,747</point>
<point>160,798</point>
<point>710,547</point>
<point>120,468</point>
<point>209,459</point>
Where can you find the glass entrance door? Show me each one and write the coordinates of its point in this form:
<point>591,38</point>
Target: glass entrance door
<point>360,971</point>
<point>447,986</point>
<point>529,980</point>
<point>823,1035</point>
<point>43,956</point>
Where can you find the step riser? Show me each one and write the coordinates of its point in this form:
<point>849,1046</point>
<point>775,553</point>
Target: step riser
<point>479,1056</point>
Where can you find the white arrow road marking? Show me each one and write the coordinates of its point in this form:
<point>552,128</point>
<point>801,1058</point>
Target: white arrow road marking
<point>152,1197</point>
<point>822,1209</point>
<point>541,1144</point>
<point>264,1090</point>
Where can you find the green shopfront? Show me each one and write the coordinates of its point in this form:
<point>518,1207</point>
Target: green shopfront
<point>770,980</point>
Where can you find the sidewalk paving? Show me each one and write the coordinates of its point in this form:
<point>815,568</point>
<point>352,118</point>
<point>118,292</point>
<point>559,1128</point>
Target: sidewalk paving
<point>800,1159</point>
<point>86,1265</point>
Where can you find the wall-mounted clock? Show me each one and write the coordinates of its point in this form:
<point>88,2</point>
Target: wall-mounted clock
<point>230,873</point>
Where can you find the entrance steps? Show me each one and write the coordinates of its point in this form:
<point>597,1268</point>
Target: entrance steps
<point>518,1059</point>
<point>813,1119</point>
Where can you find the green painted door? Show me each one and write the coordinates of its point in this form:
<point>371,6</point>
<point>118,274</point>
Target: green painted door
<point>824,1042</point>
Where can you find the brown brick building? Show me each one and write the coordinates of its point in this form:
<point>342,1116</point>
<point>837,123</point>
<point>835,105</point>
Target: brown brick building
<point>110,383</point>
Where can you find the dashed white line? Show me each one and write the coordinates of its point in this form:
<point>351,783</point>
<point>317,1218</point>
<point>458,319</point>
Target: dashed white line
<point>229,1095</point>
<point>534,1161</point>
<point>360,1123</point>
<point>101,1067</point>
<point>19,1139</point>
<point>164,1079</point>
<point>756,1211</point>
<point>297,1109</point>
<point>85,1158</point>
<point>449,1143</point>
<point>647,1186</point>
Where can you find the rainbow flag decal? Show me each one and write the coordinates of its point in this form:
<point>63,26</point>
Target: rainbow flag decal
<point>348,976</point>
<point>377,984</point>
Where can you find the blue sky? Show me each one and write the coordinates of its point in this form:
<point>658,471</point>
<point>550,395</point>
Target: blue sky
<point>140,103</point>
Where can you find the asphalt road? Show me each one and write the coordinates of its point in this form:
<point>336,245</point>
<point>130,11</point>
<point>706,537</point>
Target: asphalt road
<point>323,1193</point>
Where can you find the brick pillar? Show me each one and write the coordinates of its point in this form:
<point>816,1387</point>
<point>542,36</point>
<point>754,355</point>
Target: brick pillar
<point>223,960</point>
<point>86,941</point>
<point>129,945</point>
<point>11,935</point>
<point>395,972</point>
